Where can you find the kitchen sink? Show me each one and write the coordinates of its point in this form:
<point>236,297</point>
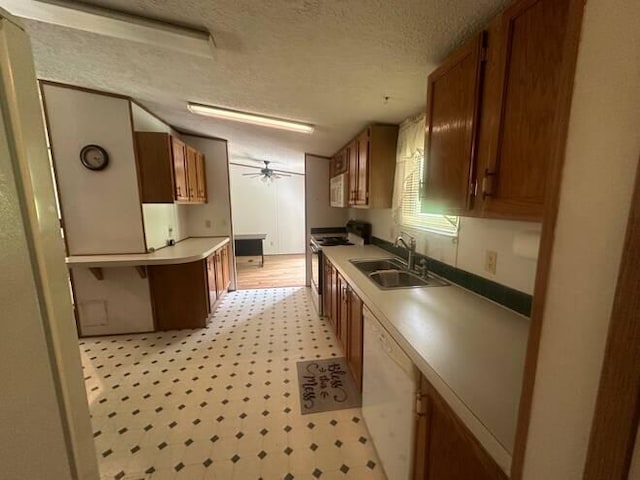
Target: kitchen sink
<point>391,273</point>
<point>370,266</point>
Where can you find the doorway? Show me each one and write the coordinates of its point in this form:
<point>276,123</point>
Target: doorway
<point>268,215</point>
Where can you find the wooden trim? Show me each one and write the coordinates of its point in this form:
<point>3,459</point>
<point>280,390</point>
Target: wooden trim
<point>617,413</point>
<point>83,89</point>
<point>552,200</point>
<point>233,267</point>
<point>97,272</point>
<point>142,271</point>
<point>58,193</point>
<point>138,175</point>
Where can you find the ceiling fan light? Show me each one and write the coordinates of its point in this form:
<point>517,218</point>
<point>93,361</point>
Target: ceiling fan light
<point>246,117</point>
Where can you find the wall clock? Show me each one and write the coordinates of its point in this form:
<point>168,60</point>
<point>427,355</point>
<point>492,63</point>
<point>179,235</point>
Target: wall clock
<point>94,157</point>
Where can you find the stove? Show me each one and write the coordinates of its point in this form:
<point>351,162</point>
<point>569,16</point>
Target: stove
<point>355,233</point>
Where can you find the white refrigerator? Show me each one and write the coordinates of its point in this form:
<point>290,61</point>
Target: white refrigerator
<point>46,430</point>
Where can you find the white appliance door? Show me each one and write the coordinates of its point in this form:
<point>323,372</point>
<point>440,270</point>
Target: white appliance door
<point>388,399</point>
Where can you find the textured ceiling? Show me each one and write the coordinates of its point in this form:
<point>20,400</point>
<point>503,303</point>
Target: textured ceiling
<point>325,62</point>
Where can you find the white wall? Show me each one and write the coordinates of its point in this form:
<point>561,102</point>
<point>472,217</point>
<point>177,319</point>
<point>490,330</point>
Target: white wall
<point>120,303</point>
<point>602,153</point>
<point>467,252</point>
<point>101,209</point>
<point>46,430</point>
<point>276,209</point>
<point>319,213</point>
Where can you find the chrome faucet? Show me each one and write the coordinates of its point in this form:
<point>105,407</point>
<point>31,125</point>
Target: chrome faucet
<point>411,247</point>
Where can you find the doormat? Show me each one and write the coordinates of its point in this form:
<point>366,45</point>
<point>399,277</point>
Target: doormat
<point>326,385</point>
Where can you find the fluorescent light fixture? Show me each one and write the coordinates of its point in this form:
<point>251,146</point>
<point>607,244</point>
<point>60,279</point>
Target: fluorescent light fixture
<point>252,118</point>
<point>114,24</point>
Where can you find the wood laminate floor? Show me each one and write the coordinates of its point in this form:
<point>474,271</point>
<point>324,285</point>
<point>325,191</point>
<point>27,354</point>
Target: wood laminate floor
<point>278,271</point>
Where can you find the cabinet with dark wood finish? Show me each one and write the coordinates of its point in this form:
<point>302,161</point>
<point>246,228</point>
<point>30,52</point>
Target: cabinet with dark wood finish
<point>492,116</point>
<point>451,130</point>
<point>339,162</point>
<point>445,449</point>
<point>343,310</point>
<point>370,161</point>
<point>180,163</point>
<point>522,99</point>
<point>179,295</point>
<point>169,170</point>
<point>218,274</point>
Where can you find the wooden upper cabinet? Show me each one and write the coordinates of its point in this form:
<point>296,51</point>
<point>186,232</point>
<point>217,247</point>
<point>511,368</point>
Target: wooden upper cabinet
<point>180,166</point>
<point>339,162</point>
<point>451,130</point>
<point>525,67</point>
<point>192,173</point>
<point>361,196</point>
<point>170,171</point>
<point>352,153</point>
<point>371,159</point>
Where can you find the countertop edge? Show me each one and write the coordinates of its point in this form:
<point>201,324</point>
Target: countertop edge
<point>138,259</point>
<point>497,451</point>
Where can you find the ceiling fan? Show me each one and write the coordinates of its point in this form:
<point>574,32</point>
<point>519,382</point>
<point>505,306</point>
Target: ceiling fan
<point>266,174</point>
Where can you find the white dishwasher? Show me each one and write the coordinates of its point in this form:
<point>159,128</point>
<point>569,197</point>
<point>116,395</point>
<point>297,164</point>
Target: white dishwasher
<point>389,385</point>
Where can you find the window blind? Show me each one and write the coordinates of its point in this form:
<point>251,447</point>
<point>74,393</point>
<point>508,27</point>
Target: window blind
<point>409,206</point>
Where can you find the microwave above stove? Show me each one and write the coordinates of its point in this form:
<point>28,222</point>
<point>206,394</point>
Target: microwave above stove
<point>338,190</point>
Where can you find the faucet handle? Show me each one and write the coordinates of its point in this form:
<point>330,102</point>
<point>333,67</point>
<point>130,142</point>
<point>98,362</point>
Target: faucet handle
<point>412,239</point>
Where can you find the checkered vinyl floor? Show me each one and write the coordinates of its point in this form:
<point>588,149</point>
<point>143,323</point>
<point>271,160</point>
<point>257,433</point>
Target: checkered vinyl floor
<point>222,402</point>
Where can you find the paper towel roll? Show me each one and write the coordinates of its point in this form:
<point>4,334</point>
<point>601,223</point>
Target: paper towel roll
<point>526,244</point>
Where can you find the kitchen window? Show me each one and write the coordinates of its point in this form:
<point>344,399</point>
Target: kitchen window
<point>410,164</point>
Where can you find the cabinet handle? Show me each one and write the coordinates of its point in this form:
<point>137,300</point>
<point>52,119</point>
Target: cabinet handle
<point>487,183</point>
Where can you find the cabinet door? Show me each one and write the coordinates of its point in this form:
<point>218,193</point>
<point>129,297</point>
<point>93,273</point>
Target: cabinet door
<point>525,103</point>
<point>326,289</point>
<point>179,170</point>
<point>453,108</point>
<point>219,276</point>
<point>445,448</point>
<point>335,297</point>
<point>226,279</point>
<point>339,163</point>
<point>201,180</point>
<point>362,188</point>
<point>352,151</point>
<point>342,328</point>
<point>192,173</point>
<point>355,336</point>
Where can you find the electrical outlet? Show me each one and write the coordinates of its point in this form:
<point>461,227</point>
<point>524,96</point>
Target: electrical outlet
<point>491,261</point>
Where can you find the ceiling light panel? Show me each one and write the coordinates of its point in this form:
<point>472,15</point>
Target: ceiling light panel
<point>245,117</point>
<point>114,24</point>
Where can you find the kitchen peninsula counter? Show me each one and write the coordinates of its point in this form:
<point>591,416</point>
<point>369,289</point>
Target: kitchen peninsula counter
<point>185,251</point>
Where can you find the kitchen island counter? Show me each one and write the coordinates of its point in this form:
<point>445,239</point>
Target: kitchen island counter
<point>470,349</point>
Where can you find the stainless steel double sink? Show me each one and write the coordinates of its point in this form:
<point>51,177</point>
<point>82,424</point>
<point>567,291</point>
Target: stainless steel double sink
<point>391,274</point>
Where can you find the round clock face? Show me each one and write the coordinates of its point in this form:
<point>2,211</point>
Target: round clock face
<point>94,157</point>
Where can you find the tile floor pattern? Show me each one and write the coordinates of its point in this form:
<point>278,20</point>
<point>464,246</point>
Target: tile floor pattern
<point>221,402</point>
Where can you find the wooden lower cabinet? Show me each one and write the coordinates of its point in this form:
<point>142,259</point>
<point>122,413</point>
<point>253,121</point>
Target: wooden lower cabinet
<point>179,295</point>
<point>343,309</point>
<point>218,275</point>
<point>445,449</point>
<point>184,295</point>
